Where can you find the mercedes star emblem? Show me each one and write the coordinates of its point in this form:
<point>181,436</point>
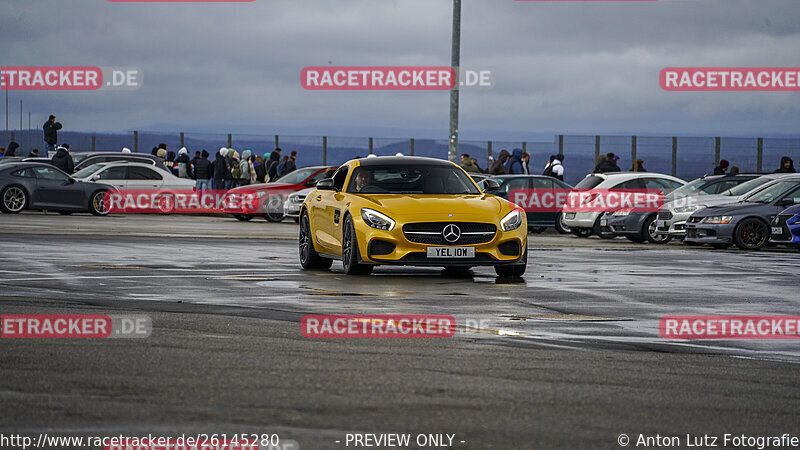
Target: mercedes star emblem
<point>451,233</point>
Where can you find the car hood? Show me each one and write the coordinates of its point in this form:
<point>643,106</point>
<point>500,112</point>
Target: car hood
<point>737,209</point>
<point>706,200</point>
<point>416,207</point>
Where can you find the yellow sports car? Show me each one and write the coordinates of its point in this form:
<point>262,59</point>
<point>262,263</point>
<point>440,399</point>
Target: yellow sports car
<point>410,211</point>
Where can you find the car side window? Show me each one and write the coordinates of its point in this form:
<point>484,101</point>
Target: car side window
<point>794,195</point>
<point>630,184</point>
<point>339,177</point>
<point>723,186</point>
<point>50,173</point>
<point>318,176</point>
<point>143,173</point>
<point>513,183</point>
<point>24,173</point>
<point>113,173</point>
<point>542,183</point>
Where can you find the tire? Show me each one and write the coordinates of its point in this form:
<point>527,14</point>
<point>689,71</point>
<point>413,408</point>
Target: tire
<point>597,229</point>
<point>97,204</point>
<point>635,238</point>
<point>243,217</point>
<point>350,251</point>
<point>13,199</point>
<point>751,234</point>
<point>560,226</point>
<point>721,246</point>
<point>65,213</point>
<point>649,232</point>
<point>513,271</point>
<point>309,258</point>
<point>537,230</point>
<point>581,232</point>
<point>274,208</point>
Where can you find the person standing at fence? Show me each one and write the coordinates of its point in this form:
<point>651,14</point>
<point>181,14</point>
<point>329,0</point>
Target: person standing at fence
<point>203,172</point>
<point>245,168</point>
<point>526,159</point>
<point>556,169</point>
<point>468,164</point>
<point>260,167</point>
<point>291,164</point>
<point>609,164</point>
<point>183,163</point>
<point>281,170</point>
<point>722,167</point>
<point>63,160</point>
<point>51,128</point>
<point>638,166</point>
<point>787,166</point>
<point>12,149</point>
<point>514,164</point>
<point>499,168</point>
<point>272,164</point>
<point>34,153</point>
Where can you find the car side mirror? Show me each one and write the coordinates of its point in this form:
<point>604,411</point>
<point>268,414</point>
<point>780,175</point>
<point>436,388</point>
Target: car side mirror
<point>326,185</point>
<point>490,185</point>
<point>786,201</point>
<point>310,182</point>
<point>96,177</point>
<point>71,180</point>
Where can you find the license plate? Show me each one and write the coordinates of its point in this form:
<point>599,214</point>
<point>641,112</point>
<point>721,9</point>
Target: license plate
<point>451,252</point>
<point>777,230</point>
<point>603,222</point>
<point>570,215</point>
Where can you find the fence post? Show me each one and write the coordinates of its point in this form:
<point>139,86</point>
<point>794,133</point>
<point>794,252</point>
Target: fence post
<point>370,146</point>
<point>560,144</point>
<point>489,156</point>
<point>633,150</point>
<point>94,141</point>
<point>411,147</point>
<point>13,137</point>
<point>759,154</point>
<point>135,141</point>
<point>230,140</point>
<point>674,156</point>
<point>596,148</point>
<point>277,141</point>
<point>524,147</point>
<point>716,151</point>
<point>324,150</point>
<point>182,140</point>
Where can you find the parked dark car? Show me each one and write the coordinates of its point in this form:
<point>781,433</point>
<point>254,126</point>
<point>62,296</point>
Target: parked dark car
<point>786,227</point>
<point>746,224</point>
<point>32,185</point>
<point>84,159</point>
<point>640,226</point>
<point>537,221</point>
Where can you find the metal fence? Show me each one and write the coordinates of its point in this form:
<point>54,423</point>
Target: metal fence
<point>685,157</point>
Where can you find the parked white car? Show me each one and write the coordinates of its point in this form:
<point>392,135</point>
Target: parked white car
<point>583,224</point>
<point>672,217</point>
<point>291,207</point>
<point>133,176</point>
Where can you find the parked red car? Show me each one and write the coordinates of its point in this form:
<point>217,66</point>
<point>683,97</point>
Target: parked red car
<point>273,195</point>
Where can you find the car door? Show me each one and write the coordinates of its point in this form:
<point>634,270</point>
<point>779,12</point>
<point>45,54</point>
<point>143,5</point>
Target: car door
<point>791,198</point>
<point>114,175</point>
<point>140,177</point>
<point>55,189</point>
<point>327,214</point>
<point>546,217</point>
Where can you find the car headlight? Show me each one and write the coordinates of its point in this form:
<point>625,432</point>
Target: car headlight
<point>377,220</point>
<point>688,209</point>
<point>718,219</point>
<point>512,220</point>
<point>621,213</point>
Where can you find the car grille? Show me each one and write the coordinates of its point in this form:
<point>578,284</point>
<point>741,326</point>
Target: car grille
<point>786,234</point>
<point>664,215</point>
<point>431,233</point>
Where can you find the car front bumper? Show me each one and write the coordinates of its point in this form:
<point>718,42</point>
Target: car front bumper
<point>580,219</point>
<point>702,233</point>
<point>674,226</point>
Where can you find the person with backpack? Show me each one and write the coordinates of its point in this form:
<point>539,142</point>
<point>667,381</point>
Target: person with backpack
<point>272,164</point>
<point>183,164</point>
<point>246,171</point>
<point>281,170</point>
<point>63,160</point>
<point>233,162</point>
<point>556,169</point>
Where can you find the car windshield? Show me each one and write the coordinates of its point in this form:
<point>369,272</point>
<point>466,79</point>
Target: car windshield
<point>747,186</point>
<point>297,176</point>
<point>772,191</point>
<point>86,171</point>
<point>693,188</point>
<point>589,182</point>
<point>78,158</point>
<point>439,179</point>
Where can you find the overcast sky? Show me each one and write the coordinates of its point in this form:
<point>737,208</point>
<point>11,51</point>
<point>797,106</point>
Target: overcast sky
<point>560,67</point>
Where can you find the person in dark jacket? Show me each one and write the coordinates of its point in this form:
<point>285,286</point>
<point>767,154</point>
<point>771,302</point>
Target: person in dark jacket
<point>498,168</point>
<point>608,165</point>
<point>51,128</point>
<point>63,160</point>
<point>272,164</point>
<point>514,164</point>
<point>261,169</point>
<point>203,172</point>
<point>281,170</point>
<point>787,166</point>
<point>183,165</point>
<point>12,149</point>
<point>193,163</point>
<point>34,153</point>
<point>638,166</point>
<point>291,164</point>
<point>722,167</point>
<point>221,170</point>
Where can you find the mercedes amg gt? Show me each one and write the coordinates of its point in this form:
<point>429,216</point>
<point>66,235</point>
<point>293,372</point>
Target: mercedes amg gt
<point>410,211</point>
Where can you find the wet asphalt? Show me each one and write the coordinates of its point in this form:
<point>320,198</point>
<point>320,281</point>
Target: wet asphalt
<point>568,356</point>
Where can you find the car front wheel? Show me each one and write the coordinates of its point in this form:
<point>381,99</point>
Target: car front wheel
<point>513,271</point>
<point>309,258</point>
<point>350,251</point>
<point>751,234</point>
<point>650,232</point>
<point>560,226</point>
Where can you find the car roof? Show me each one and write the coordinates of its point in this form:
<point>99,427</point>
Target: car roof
<point>401,161</point>
<point>624,176</point>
